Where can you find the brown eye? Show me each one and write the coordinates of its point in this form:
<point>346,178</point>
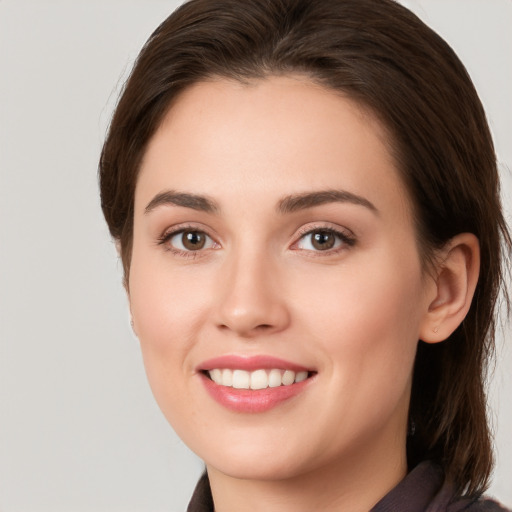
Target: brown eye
<point>190,240</point>
<point>193,240</point>
<point>323,240</point>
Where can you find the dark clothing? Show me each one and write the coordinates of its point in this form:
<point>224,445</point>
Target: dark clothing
<point>202,500</point>
<point>422,490</point>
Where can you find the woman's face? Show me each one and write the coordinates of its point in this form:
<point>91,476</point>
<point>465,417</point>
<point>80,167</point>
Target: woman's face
<point>274,248</point>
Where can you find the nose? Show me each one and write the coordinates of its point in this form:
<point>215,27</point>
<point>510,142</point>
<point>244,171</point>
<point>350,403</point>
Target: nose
<point>251,301</point>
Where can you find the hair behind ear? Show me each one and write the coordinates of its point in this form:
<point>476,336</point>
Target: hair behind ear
<point>448,390</point>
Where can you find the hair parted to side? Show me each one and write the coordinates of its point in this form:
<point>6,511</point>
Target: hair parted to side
<point>382,56</point>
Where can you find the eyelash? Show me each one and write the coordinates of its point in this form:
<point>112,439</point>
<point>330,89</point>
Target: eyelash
<point>165,238</point>
<point>346,238</point>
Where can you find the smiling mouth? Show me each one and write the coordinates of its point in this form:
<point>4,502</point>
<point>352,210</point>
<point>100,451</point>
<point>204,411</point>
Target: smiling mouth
<point>257,379</point>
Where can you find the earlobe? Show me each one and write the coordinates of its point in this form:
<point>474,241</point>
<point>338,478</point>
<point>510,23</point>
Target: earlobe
<point>456,278</point>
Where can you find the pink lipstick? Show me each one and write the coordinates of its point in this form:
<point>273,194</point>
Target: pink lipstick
<point>253,384</point>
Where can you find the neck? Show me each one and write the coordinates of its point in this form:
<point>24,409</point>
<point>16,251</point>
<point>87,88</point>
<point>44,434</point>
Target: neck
<point>354,484</point>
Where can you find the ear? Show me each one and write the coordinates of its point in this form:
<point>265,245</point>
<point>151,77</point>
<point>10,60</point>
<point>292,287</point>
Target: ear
<point>456,276</point>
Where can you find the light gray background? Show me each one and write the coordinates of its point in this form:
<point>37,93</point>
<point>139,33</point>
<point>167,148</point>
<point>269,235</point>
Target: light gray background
<point>79,430</point>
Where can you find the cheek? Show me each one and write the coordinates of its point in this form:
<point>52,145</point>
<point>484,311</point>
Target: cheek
<point>167,306</point>
<point>165,301</point>
<point>366,316</point>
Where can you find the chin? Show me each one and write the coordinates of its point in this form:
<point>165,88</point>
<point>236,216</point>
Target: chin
<point>252,459</point>
<point>256,469</point>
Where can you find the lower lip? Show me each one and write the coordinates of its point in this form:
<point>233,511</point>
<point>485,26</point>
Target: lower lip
<point>252,401</point>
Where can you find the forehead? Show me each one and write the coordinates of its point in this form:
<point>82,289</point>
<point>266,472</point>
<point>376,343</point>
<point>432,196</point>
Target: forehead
<point>266,136</point>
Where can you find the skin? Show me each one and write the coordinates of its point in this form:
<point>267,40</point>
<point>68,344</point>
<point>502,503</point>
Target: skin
<point>353,314</point>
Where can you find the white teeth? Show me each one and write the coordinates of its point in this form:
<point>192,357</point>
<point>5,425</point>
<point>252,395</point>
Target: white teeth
<point>227,377</point>
<point>300,376</point>
<point>288,377</point>
<point>274,378</point>
<point>241,379</point>
<point>216,376</point>
<point>258,379</point>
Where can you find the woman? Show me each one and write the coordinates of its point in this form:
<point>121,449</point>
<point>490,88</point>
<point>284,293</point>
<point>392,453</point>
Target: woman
<point>305,200</point>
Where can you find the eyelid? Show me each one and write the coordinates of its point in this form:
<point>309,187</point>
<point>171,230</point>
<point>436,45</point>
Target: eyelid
<point>347,237</point>
<point>172,231</point>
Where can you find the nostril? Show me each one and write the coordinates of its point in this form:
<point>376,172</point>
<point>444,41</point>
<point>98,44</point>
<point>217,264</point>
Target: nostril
<point>263,327</point>
<point>258,328</point>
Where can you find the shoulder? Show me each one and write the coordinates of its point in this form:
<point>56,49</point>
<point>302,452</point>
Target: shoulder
<point>425,489</point>
<point>486,505</point>
<point>482,504</point>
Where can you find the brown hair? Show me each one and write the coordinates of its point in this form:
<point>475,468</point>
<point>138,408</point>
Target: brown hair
<point>382,56</point>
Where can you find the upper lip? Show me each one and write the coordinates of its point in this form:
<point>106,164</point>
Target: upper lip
<point>250,363</point>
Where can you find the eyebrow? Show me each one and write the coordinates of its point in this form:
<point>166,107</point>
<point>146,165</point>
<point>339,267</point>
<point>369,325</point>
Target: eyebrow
<point>193,201</point>
<point>288,204</point>
<point>296,202</point>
